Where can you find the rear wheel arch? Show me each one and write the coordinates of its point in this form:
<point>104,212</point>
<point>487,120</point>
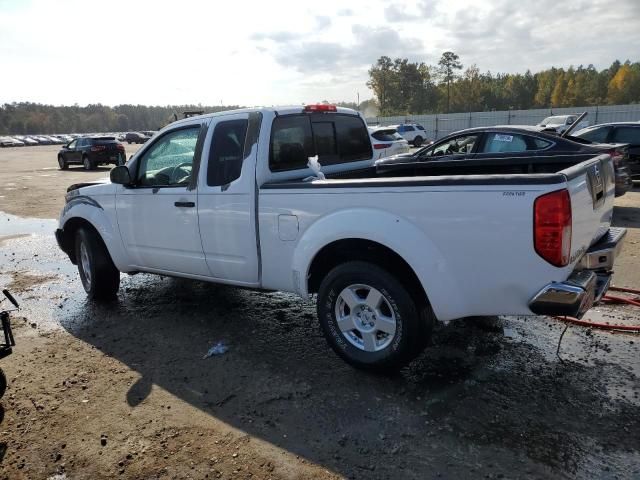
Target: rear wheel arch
<point>359,249</point>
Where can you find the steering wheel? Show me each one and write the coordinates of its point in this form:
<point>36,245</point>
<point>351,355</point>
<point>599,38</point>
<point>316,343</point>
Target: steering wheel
<point>448,151</point>
<point>178,168</point>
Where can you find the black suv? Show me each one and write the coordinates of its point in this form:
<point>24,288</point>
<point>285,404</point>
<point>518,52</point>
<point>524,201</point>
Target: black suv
<point>136,137</point>
<point>91,152</point>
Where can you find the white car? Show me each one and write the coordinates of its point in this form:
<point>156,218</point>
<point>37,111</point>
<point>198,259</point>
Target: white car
<point>386,141</point>
<point>413,133</point>
<point>561,122</point>
<point>10,142</point>
<point>232,198</point>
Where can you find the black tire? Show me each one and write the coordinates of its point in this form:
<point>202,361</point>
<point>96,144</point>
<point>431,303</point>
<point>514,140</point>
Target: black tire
<point>418,141</point>
<point>99,276</point>
<point>412,322</point>
<point>129,142</point>
<point>3,383</point>
<point>87,163</point>
<point>62,163</point>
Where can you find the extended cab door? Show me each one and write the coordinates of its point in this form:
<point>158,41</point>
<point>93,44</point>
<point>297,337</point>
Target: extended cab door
<point>227,198</point>
<point>158,216</point>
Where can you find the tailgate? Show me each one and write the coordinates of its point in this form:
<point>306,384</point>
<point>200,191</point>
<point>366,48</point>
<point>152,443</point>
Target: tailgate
<point>591,186</point>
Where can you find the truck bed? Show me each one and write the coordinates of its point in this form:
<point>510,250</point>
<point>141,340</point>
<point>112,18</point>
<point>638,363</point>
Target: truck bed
<point>512,171</point>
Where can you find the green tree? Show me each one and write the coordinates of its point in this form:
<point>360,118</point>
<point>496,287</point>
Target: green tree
<point>448,64</point>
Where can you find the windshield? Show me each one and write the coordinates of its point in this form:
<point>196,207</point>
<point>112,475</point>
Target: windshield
<point>554,121</point>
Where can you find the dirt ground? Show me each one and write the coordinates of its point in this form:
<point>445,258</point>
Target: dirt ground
<point>122,389</point>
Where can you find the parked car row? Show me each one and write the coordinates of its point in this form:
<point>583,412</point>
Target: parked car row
<point>62,139</point>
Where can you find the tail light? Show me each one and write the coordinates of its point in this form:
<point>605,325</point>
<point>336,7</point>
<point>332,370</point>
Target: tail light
<point>320,107</point>
<point>381,146</point>
<point>120,147</point>
<point>98,148</point>
<point>552,227</point>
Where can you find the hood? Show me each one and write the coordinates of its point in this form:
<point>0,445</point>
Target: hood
<point>77,186</point>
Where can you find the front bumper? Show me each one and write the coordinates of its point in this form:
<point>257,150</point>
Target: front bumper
<point>586,285</point>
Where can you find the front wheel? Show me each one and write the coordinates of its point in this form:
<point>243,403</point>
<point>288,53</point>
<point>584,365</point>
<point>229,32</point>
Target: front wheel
<point>62,163</point>
<point>98,274</point>
<point>370,319</point>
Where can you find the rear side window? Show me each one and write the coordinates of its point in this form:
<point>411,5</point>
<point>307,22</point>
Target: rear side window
<point>227,152</point>
<point>512,143</point>
<point>419,127</point>
<point>334,138</point>
<point>597,135</point>
<point>627,135</point>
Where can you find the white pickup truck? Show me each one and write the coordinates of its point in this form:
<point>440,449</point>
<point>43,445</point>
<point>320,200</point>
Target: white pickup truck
<point>229,198</point>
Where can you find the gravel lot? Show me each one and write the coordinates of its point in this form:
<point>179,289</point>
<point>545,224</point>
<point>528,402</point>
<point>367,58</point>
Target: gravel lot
<point>100,391</point>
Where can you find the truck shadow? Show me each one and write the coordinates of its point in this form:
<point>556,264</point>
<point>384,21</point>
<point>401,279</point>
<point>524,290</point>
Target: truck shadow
<point>470,401</point>
<point>628,217</point>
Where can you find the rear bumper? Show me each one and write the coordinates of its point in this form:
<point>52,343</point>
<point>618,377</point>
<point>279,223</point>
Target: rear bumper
<point>586,285</point>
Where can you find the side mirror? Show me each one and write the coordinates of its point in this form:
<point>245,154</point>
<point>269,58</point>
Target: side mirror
<point>65,147</point>
<point>120,175</point>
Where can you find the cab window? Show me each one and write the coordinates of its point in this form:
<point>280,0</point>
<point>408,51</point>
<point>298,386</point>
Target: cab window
<point>334,138</point>
<point>227,152</point>
<point>168,162</point>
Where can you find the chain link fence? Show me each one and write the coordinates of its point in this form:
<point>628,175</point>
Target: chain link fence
<point>440,125</point>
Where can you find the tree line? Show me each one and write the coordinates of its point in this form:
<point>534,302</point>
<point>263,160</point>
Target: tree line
<point>33,118</point>
<point>402,87</point>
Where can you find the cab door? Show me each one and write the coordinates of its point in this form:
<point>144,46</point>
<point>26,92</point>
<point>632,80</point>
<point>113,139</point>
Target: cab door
<point>227,198</point>
<point>158,215</point>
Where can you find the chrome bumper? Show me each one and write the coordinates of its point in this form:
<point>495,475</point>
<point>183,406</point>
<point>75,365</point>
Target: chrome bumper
<point>586,285</point>
<point>603,253</point>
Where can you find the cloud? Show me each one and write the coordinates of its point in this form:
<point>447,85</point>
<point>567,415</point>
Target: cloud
<point>322,21</point>
<point>367,45</point>
<point>424,10</point>
<point>345,12</point>
<point>278,37</point>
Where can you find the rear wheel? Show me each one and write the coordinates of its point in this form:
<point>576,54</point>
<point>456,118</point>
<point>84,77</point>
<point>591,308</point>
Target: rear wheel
<point>62,163</point>
<point>370,319</point>
<point>100,278</point>
<point>417,141</point>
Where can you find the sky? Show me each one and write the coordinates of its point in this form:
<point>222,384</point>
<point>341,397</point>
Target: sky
<point>275,52</point>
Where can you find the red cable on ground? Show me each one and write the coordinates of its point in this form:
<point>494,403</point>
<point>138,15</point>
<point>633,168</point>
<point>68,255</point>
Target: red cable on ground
<point>613,299</point>
<point>618,300</point>
<point>603,326</point>
<point>627,290</point>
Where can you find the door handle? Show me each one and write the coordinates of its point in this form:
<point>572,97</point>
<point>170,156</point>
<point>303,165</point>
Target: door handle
<point>185,204</point>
